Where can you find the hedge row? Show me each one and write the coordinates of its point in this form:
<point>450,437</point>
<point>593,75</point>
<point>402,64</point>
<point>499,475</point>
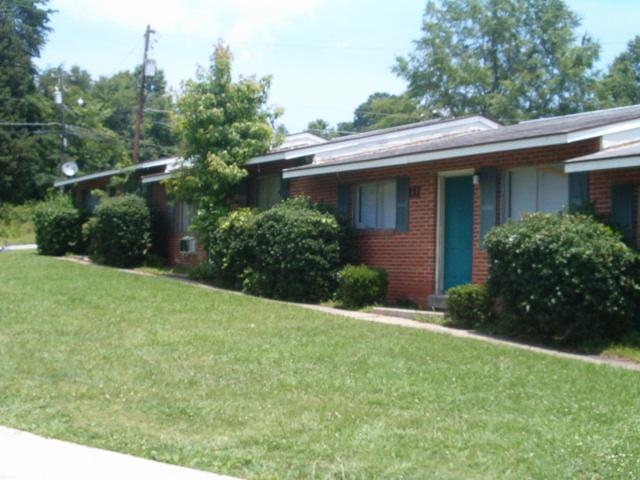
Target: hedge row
<point>561,278</point>
<point>289,252</point>
<point>118,234</point>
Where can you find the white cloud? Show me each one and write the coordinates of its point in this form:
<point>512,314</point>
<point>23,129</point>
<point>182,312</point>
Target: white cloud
<point>232,20</point>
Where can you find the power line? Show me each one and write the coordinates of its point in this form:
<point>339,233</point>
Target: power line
<point>28,124</point>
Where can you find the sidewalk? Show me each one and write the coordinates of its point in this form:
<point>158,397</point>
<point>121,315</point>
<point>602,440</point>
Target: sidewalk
<point>8,248</point>
<point>24,456</point>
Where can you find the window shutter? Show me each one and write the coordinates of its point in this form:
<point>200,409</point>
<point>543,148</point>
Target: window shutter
<point>242,193</point>
<point>578,190</point>
<point>402,204</point>
<point>488,193</point>
<point>284,188</point>
<point>622,209</point>
<point>343,199</point>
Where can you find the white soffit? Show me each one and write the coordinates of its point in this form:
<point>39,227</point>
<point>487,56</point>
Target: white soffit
<point>605,164</point>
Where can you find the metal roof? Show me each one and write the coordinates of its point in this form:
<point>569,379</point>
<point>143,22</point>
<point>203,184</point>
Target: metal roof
<point>115,171</point>
<point>528,134</point>
<point>622,156</point>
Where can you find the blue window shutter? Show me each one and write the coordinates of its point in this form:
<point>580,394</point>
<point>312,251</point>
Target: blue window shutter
<point>343,199</point>
<point>622,209</point>
<point>578,190</point>
<point>402,204</point>
<point>488,194</point>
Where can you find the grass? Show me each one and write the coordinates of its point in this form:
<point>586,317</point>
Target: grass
<point>258,389</point>
<point>16,226</point>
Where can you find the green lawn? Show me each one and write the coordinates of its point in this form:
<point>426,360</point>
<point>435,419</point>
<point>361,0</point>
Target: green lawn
<point>258,389</point>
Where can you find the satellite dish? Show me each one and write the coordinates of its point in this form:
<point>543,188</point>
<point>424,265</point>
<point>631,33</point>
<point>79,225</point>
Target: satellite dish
<point>70,168</point>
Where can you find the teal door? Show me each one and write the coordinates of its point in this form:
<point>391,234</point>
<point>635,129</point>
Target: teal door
<point>458,225</point>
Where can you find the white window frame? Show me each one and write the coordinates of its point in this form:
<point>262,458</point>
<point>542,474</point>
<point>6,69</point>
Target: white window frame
<point>382,208</point>
<point>507,194</point>
<point>183,217</point>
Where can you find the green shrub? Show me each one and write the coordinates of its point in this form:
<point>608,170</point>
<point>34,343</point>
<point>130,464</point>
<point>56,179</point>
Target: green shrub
<point>202,272</point>
<point>563,277</point>
<point>296,253</point>
<point>58,226</point>
<point>360,285</point>
<point>232,245</point>
<point>469,305</point>
<point>16,223</point>
<point>119,234</point>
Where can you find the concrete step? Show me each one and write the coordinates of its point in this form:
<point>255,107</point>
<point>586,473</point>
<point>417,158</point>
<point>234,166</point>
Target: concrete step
<point>437,302</point>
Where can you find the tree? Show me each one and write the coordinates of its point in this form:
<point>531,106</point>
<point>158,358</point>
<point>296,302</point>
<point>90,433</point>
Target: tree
<point>322,128</point>
<point>23,30</point>
<point>222,124</point>
<point>383,110</point>
<point>119,93</point>
<point>621,84</point>
<point>90,143</point>
<point>508,59</point>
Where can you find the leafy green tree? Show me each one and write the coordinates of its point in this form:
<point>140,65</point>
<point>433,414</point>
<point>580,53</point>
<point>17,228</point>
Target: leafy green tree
<point>621,84</point>
<point>222,124</point>
<point>90,143</point>
<point>383,110</point>
<point>322,128</point>
<point>119,93</point>
<point>23,158</point>
<point>508,59</point>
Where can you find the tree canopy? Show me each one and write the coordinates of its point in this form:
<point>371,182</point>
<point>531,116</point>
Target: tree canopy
<point>222,123</point>
<point>621,84</point>
<point>23,30</point>
<point>383,110</point>
<point>508,59</point>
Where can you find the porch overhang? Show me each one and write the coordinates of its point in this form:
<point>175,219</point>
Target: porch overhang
<point>626,156</point>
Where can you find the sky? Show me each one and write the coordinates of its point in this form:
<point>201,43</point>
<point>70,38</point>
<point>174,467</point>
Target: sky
<point>325,57</point>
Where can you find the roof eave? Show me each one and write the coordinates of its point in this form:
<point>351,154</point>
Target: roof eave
<point>578,166</point>
<point>422,157</point>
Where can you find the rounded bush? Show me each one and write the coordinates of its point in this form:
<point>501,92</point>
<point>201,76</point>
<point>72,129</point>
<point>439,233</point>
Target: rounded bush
<point>232,246</point>
<point>563,277</point>
<point>468,305</point>
<point>119,234</point>
<point>296,253</point>
<point>360,285</point>
<point>58,226</point>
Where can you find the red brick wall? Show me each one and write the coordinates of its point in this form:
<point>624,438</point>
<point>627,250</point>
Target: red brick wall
<point>600,185</point>
<point>410,258</point>
<point>176,258</point>
<point>601,182</point>
<point>173,255</point>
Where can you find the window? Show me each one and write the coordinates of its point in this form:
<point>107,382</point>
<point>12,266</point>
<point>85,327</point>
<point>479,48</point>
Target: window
<point>376,205</point>
<point>268,190</point>
<point>183,215</point>
<point>89,201</point>
<point>535,189</point>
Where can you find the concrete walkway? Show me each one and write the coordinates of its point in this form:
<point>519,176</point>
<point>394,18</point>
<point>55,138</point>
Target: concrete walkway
<point>401,320</point>
<point>9,248</point>
<point>24,456</point>
<point>404,322</point>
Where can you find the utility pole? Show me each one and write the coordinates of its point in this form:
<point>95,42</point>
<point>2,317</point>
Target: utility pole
<point>136,131</point>
<point>58,98</point>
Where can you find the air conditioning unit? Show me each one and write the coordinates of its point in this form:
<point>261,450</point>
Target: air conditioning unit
<point>187,245</point>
